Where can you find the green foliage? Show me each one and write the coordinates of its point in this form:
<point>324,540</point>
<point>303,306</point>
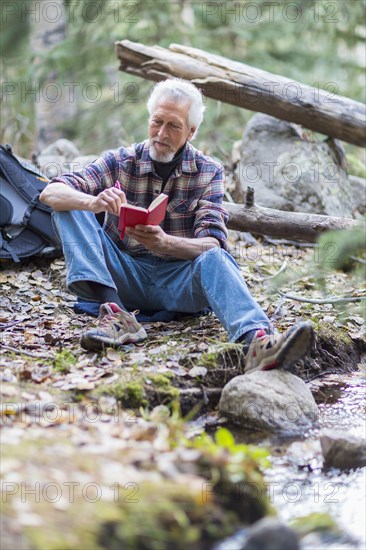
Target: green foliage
<point>355,166</point>
<point>110,105</point>
<point>341,250</point>
<point>336,251</point>
<point>315,522</point>
<point>14,28</point>
<point>130,394</point>
<point>162,383</point>
<point>222,355</point>
<point>63,361</point>
<point>224,440</point>
<point>168,515</point>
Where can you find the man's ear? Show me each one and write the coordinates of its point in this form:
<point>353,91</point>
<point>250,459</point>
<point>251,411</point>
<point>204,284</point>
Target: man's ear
<point>193,129</point>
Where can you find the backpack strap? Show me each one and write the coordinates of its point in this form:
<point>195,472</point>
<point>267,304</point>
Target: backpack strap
<point>27,214</point>
<point>8,249</point>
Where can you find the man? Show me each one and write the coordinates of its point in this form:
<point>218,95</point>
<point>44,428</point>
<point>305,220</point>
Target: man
<point>181,265</point>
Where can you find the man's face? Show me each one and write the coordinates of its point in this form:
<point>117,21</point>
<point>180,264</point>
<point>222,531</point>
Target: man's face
<point>168,129</point>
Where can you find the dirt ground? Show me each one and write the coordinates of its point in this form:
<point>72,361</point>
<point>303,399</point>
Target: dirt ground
<point>92,441</point>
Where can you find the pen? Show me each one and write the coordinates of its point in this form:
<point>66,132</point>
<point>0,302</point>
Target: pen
<point>117,185</point>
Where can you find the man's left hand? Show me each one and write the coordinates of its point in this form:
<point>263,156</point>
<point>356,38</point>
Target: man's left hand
<point>151,237</point>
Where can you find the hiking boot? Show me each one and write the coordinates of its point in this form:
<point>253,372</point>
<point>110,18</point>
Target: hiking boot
<point>116,328</point>
<point>273,351</point>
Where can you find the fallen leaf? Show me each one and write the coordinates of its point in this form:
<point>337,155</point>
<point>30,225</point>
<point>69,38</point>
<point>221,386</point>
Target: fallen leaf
<point>197,371</point>
<point>85,385</point>
<point>41,374</point>
<point>160,349</point>
<point>113,355</point>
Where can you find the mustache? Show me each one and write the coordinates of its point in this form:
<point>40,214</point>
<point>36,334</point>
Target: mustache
<point>163,142</point>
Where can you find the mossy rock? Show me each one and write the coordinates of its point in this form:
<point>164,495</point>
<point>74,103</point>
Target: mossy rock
<point>131,394</point>
<point>137,392</point>
<point>166,516</point>
<point>150,511</point>
<point>333,351</point>
<point>160,390</point>
<point>315,522</point>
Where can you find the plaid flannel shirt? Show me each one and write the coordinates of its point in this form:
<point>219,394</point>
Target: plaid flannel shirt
<point>195,190</point>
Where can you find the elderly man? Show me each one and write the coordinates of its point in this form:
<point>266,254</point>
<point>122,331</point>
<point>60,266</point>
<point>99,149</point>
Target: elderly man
<point>181,265</point>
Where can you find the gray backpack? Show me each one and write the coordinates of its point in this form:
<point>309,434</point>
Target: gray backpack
<point>25,224</point>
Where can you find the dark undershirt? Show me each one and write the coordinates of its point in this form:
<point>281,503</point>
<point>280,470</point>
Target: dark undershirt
<point>164,169</point>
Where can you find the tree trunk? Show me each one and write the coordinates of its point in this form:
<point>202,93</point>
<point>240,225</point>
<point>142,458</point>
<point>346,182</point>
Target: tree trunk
<point>281,224</point>
<point>248,87</point>
<point>53,106</point>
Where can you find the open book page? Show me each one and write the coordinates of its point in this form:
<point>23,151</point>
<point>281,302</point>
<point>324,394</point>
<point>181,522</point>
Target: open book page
<point>131,215</point>
<point>161,198</point>
<point>133,207</point>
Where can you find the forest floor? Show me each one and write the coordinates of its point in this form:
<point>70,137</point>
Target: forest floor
<point>94,440</point>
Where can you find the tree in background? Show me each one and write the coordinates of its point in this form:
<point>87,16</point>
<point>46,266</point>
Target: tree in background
<point>52,108</point>
<point>319,43</point>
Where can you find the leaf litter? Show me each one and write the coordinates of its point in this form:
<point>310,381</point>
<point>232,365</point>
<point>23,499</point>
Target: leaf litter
<point>63,403</point>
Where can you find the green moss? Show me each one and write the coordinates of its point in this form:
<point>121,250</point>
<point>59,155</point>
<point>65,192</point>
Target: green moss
<point>130,394</point>
<point>355,166</point>
<point>227,355</point>
<point>171,514</point>
<point>147,512</point>
<point>63,361</point>
<point>317,521</point>
<point>167,515</point>
<point>162,382</point>
<point>330,331</point>
<point>147,515</point>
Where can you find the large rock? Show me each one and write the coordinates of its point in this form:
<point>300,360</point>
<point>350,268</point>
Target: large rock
<point>290,169</point>
<point>358,194</point>
<point>270,534</point>
<point>52,165</point>
<point>277,401</point>
<point>342,451</point>
<point>54,159</point>
<point>266,534</point>
<point>78,163</point>
<point>62,156</point>
<point>62,147</point>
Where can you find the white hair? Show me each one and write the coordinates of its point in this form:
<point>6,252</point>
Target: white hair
<point>179,91</point>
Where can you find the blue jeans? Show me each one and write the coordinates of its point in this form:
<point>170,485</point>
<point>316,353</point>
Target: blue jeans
<point>152,283</point>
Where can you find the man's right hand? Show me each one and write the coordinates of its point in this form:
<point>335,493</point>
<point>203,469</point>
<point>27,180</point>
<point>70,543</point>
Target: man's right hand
<point>109,200</point>
<point>60,196</point>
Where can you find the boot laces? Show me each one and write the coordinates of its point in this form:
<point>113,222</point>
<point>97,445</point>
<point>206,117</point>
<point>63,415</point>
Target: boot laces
<point>119,319</point>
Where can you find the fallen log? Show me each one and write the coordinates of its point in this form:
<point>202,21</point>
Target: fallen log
<point>248,87</point>
<point>281,224</point>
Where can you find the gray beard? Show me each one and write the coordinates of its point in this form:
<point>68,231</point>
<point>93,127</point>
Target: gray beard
<point>160,157</point>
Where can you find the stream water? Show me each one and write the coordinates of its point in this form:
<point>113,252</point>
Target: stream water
<point>297,484</point>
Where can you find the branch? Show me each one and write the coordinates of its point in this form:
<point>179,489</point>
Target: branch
<point>281,270</point>
<point>329,300</point>
<point>248,87</point>
<point>22,352</point>
<point>301,226</point>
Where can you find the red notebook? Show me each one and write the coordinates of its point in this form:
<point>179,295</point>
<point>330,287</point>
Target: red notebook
<point>131,215</point>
